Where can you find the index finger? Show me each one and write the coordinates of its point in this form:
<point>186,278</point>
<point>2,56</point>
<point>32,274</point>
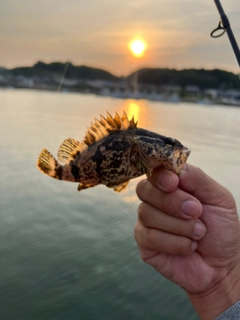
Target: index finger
<point>164,180</point>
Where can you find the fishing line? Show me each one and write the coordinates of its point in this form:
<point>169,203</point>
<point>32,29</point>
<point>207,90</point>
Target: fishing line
<point>63,77</point>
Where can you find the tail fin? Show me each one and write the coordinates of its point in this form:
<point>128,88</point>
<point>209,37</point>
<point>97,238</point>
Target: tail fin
<point>49,165</point>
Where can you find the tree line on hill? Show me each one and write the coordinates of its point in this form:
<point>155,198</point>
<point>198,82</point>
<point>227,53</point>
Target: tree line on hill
<point>202,78</point>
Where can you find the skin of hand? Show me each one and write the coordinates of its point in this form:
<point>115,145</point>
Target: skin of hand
<point>188,230</point>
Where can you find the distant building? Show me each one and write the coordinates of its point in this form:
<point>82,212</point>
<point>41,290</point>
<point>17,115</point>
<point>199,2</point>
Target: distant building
<point>171,89</point>
<point>230,97</point>
<point>192,90</point>
<point>211,93</point>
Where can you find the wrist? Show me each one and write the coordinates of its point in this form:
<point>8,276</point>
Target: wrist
<point>219,297</point>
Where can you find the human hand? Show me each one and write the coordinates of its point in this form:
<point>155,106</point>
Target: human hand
<point>188,229</point>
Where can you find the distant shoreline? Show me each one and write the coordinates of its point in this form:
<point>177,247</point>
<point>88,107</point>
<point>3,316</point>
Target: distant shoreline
<point>168,85</point>
<point>205,101</point>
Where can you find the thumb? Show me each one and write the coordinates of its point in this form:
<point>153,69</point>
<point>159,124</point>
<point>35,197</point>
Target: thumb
<point>194,181</point>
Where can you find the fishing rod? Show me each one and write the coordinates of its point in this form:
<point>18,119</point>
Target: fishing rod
<point>224,25</point>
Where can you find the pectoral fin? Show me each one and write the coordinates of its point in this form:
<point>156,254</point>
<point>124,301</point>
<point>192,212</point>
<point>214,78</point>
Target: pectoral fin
<point>82,186</point>
<point>69,149</point>
<point>118,187</point>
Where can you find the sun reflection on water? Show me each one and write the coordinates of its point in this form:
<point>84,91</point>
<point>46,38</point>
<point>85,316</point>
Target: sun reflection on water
<point>138,109</point>
<point>133,110</point>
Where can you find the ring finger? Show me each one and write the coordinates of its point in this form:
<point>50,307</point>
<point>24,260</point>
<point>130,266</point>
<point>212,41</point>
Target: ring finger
<point>153,218</point>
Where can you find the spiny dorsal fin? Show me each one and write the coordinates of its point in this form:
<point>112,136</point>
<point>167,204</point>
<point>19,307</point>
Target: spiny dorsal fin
<point>69,149</point>
<point>101,128</point>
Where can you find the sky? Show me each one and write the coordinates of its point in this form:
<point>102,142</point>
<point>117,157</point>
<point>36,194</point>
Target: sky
<point>97,32</point>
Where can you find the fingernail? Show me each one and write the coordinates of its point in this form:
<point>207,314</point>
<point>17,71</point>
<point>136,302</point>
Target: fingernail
<point>190,208</point>
<point>199,230</point>
<point>165,180</point>
<point>193,247</point>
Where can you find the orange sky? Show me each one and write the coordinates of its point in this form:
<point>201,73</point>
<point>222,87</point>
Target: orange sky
<point>97,33</point>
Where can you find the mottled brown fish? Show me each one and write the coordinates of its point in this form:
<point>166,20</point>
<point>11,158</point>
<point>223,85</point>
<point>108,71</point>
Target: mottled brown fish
<point>113,151</point>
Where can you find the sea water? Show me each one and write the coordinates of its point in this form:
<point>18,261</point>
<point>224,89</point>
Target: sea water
<point>66,255</point>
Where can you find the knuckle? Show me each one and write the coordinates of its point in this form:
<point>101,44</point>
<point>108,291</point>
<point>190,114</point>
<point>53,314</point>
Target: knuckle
<point>140,188</point>
<point>227,200</point>
<point>200,173</point>
<point>188,228</point>
<point>136,231</point>
<point>143,236</point>
<point>151,239</point>
<point>139,233</point>
<point>191,228</point>
<point>166,203</point>
<point>143,210</point>
<point>183,247</point>
<point>202,177</point>
<point>171,204</point>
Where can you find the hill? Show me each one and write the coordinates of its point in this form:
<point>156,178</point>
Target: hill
<point>42,69</point>
<point>202,78</point>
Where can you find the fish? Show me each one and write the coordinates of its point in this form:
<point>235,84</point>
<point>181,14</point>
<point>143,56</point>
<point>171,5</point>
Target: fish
<point>113,151</point>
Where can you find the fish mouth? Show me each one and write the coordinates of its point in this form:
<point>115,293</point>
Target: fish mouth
<point>180,157</point>
<point>186,151</point>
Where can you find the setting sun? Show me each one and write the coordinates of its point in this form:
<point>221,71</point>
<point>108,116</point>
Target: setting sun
<point>138,47</point>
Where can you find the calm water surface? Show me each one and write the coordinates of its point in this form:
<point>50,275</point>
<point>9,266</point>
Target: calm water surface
<point>66,255</point>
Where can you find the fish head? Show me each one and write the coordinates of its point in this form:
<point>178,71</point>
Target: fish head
<point>163,151</point>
